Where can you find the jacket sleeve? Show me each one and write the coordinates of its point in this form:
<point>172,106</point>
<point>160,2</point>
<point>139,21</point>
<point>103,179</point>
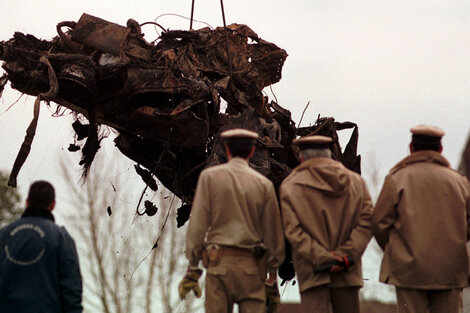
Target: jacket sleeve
<point>272,228</point>
<point>361,232</point>
<point>69,275</point>
<point>198,221</point>
<point>467,185</point>
<point>301,241</point>
<point>385,212</point>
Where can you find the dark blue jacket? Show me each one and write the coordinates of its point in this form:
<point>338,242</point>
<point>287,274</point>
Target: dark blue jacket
<point>39,269</point>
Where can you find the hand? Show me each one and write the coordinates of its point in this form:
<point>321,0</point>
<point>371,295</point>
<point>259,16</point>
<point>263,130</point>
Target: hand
<point>337,268</point>
<point>189,282</point>
<point>336,256</point>
<point>272,278</point>
<point>273,298</point>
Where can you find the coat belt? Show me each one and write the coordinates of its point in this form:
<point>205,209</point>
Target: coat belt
<point>235,251</point>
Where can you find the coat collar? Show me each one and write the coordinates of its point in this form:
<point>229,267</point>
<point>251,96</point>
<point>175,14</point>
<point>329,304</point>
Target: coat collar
<point>324,174</point>
<point>36,212</point>
<point>237,161</point>
<point>421,156</point>
<point>314,162</point>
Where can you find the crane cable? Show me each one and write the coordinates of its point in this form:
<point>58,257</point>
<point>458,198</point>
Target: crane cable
<point>225,28</point>
<point>192,15</point>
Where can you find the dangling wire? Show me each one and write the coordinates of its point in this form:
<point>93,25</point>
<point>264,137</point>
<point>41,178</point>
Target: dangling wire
<point>156,243</point>
<point>185,17</point>
<point>154,23</point>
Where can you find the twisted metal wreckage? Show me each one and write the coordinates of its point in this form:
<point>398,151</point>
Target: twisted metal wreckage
<point>164,98</point>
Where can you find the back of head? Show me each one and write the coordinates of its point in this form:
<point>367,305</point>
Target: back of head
<point>240,147</point>
<point>421,143</point>
<point>240,142</point>
<point>426,137</point>
<point>313,147</point>
<point>315,153</point>
<point>41,194</point>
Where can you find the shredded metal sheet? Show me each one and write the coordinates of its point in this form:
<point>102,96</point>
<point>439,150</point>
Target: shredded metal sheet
<point>164,98</point>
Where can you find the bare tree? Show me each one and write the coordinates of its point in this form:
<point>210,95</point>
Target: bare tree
<point>130,263</point>
<point>10,208</point>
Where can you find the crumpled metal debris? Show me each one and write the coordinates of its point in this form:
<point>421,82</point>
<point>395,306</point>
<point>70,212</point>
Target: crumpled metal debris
<point>164,99</point>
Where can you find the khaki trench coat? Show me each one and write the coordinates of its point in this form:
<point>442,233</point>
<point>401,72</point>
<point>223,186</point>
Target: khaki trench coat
<point>235,206</point>
<point>325,207</point>
<point>421,221</point>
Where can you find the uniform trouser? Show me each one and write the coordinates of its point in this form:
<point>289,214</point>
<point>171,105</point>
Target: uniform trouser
<point>235,279</point>
<point>318,300</point>
<point>429,301</point>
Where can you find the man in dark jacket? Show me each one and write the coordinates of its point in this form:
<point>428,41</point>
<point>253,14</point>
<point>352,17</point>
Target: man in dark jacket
<point>39,269</point>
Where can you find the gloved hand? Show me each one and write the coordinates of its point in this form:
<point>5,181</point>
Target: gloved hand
<point>189,282</point>
<point>273,298</point>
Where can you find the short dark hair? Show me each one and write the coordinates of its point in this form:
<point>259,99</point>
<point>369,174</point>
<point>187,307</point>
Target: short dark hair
<point>41,194</point>
<point>421,142</point>
<point>240,147</point>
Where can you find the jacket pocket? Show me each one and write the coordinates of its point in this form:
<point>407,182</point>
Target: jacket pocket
<point>251,270</point>
<point>218,271</point>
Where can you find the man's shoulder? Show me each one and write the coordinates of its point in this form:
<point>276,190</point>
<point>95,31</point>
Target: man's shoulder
<point>28,220</point>
<point>431,159</point>
<point>291,180</point>
<point>355,177</point>
<point>221,169</point>
<point>214,169</point>
<point>257,175</point>
<point>38,223</point>
<point>212,173</point>
<point>402,170</point>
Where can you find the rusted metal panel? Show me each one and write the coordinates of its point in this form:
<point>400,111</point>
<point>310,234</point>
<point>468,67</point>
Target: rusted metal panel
<point>100,34</point>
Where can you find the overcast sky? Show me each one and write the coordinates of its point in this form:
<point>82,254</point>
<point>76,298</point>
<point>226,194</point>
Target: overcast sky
<point>386,65</point>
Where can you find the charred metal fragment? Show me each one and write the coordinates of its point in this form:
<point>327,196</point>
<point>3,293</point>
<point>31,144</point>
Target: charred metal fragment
<point>3,82</point>
<point>150,208</point>
<point>327,126</point>
<point>147,177</point>
<point>350,158</point>
<point>91,146</point>
<point>73,148</point>
<point>25,146</point>
<point>31,131</point>
<point>182,214</point>
<point>286,269</point>
<point>82,130</point>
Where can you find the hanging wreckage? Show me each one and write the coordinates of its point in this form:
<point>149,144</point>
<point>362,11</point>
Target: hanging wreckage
<point>164,98</point>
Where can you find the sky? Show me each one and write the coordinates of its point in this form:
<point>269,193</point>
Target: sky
<point>385,65</point>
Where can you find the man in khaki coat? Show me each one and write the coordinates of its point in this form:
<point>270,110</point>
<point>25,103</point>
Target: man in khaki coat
<point>326,212</point>
<point>235,220</point>
<point>421,221</point>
